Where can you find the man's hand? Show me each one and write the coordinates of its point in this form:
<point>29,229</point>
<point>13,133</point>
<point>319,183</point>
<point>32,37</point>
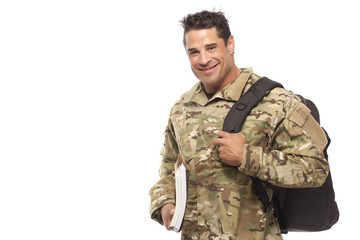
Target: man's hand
<point>231,147</point>
<point>167,212</point>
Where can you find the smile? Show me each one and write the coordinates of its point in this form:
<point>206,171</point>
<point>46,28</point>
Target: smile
<point>208,69</point>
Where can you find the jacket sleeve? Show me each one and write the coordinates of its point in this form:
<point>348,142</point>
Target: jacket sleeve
<point>295,158</point>
<point>163,192</point>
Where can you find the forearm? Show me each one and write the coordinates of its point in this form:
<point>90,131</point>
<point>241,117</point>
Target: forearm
<point>163,192</point>
<point>284,169</point>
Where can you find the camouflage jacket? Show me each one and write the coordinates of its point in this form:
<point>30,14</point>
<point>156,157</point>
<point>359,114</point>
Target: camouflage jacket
<point>284,147</point>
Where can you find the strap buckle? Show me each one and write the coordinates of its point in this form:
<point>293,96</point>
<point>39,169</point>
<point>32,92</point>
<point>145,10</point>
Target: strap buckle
<point>241,105</point>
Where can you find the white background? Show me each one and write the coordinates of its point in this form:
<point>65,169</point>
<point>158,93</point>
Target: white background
<point>86,88</point>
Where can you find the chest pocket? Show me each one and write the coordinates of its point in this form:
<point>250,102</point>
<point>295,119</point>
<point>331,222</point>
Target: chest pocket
<point>186,131</point>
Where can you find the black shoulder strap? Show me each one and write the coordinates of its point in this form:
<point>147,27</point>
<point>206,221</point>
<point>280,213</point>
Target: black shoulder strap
<point>237,115</point>
<point>239,111</point>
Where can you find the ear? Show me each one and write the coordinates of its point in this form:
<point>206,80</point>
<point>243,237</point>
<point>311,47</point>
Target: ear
<point>231,44</point>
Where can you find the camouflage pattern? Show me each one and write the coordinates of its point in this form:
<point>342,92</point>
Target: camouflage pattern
<point>281,148</point>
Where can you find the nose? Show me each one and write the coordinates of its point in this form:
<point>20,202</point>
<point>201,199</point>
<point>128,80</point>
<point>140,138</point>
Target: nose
<point>204,58</point>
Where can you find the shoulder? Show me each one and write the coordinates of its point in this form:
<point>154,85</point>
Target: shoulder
<point>252,79</point>
<point>288,99</point>
<point>283,94</point>
<point>283,100</point>
<point>185,97</point>
<point>280,96</point>
<point>178,107</point>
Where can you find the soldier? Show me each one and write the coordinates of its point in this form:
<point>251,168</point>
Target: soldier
<point>274,145</point>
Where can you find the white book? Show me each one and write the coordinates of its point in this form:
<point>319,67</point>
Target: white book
<point>181,195</point>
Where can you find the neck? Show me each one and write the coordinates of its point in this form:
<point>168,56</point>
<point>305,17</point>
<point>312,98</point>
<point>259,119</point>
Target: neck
<point>232,76</point>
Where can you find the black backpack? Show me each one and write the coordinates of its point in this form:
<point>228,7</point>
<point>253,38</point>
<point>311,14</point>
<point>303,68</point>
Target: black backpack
<point>296,209</point>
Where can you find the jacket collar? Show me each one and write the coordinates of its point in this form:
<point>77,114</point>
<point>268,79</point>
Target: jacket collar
<point>230,92</point>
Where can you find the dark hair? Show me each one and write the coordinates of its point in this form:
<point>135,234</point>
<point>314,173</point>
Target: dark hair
<point>205,20</point>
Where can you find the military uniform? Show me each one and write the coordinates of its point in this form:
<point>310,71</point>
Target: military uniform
<point>284,146</point>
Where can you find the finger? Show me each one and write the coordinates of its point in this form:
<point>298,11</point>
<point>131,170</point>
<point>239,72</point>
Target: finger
<point>217,141</point>
<point>222,156</point>
<point>220,149</point>
<point>167,223</point>
<point>222,134</point>
<point>168,227</point>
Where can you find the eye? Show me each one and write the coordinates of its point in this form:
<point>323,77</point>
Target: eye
<point>193,53</point>
<point>211,47</point>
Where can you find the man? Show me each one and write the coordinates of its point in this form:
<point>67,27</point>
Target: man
<point>273,145</point>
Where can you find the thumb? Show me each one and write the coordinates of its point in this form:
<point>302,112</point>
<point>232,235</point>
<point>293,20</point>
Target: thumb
<point>172,211</point>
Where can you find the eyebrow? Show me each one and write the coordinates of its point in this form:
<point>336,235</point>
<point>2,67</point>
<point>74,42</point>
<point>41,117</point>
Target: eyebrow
<point>191,49</point>
<point>207,45</point>
<point>211,45</point>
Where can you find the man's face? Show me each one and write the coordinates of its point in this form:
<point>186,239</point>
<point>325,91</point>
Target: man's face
<point>211,61</point>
